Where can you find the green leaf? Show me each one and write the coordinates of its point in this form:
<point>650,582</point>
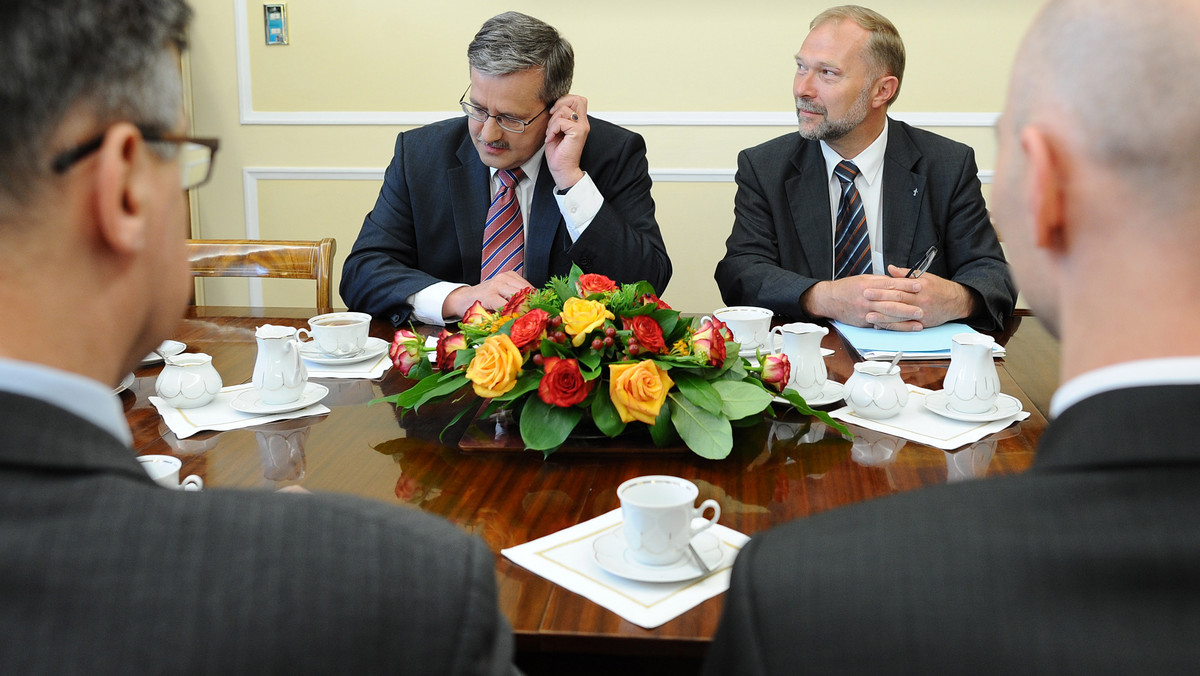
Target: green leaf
<point>604,413</point>
<point>526,382</point>
<point>802,406</point>
<point>662,431</point>
<point>545,427</point>
<point>427,389</point>
<point>589,364</point>
<point>741,399</point>
<point>709,436</point>
<point>698,391</point>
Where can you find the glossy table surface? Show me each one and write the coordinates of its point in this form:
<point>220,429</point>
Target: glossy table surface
<point>780,470</point>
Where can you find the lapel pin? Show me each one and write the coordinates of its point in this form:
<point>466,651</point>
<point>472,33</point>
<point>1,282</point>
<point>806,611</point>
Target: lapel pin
<point>914,192</point>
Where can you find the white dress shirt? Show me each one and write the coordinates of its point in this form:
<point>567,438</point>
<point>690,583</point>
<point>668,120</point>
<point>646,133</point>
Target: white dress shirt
<point>93,401</point>
<point>1141,373</point>
<point>870,189</point>
<point>578,207</point>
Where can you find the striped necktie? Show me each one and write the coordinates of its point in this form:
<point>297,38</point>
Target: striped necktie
<point>504,233</point>
<point>852,250</point>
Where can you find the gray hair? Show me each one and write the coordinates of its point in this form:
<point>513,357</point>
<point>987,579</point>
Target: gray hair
<point>885,49</point>
<point>110,59</point>
<point>1119,71</point>
<point>512,42</point>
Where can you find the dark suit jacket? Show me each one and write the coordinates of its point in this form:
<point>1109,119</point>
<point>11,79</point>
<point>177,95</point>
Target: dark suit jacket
<point>1087,563</point>
<point>427,224</point>
<point>782,239</point>
<point>103,571</point>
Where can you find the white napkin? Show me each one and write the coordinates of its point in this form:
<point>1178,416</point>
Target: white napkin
<point>919,424</point>
<point>367,368</point>
<point>567,559</point>
<point>219,415</point>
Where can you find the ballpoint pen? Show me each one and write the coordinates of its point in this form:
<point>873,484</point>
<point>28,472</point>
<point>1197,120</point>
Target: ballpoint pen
<point>924,264</point>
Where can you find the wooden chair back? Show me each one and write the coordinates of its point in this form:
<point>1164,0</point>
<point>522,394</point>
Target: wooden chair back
<point>273,258</point>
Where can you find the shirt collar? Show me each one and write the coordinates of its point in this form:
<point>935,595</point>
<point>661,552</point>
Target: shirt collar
<point>1141,373</point>
<point>531,167</point>
<point>869,161</point>
<point>91,400</point>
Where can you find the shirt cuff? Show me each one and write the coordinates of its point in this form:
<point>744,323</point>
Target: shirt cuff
<point>580,205</point>
<point>427,303</point>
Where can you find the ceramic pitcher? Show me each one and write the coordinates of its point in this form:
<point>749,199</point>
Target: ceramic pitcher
<point>972,383</point>
<point>279,373</point>
<point>802,345</point>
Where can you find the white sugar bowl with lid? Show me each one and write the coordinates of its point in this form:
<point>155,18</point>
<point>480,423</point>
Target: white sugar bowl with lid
<point>876,390</point>
<point>188,381</point>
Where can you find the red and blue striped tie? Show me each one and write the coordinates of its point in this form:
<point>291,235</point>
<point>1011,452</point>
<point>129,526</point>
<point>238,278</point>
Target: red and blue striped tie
<point>504,234</point>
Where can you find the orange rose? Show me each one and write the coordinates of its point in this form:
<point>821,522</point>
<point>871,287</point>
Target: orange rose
<point>638,390</point>
<point>494,369</point>
<point>581,317</point>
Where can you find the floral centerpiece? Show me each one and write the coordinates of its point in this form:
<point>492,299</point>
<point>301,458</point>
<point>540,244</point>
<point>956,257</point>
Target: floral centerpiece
<point>585,347</point>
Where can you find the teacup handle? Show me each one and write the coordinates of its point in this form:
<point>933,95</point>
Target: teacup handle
<point>776,331</point>
<point>699,514</point>
<point>305,332</point>
<point>191,483</point>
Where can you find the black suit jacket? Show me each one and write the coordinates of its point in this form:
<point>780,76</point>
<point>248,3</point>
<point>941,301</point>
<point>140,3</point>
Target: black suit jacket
<point>103,571</point>
<point>427,224</point>
<point>1087,563</point>
<point>782,239</point>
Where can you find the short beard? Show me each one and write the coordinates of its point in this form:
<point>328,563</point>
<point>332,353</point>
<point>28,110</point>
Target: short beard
<point>832,130</point>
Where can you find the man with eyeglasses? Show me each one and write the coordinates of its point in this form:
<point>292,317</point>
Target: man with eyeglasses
<point>103,570</point>
<point>479,207</point>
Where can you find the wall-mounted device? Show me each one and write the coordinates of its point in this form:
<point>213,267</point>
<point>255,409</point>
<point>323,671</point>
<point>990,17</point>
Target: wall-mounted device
<point>275,18</point>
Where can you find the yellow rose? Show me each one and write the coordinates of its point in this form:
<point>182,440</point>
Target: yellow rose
<point>638,390</point>
<point>581,317</point>
<point>494,369</point>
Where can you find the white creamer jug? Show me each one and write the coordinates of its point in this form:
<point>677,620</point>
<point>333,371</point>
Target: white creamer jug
<point>279,373</point>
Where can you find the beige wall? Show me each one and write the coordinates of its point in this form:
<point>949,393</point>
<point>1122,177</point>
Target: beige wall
<point>304,146</point>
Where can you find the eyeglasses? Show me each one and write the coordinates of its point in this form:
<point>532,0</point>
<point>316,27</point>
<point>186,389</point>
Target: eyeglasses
<point>195,155</point>
<point>507,122</point>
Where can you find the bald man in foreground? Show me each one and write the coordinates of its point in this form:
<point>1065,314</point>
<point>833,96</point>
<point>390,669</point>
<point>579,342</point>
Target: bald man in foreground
<point>1090,561</point>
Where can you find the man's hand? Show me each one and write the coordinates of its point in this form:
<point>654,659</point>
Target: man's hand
<point>565,137</point>
<point>493,293</point>
<point>894,302</point>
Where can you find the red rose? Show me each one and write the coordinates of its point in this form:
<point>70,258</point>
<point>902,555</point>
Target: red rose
<point>405,350</point>
<point>517,302</point>
<point>647,332</point>
<point>776,371</point>
<point>563,385</point>
<point>651,299</point>
<point>529,328</point>
<point>448,343</point>
<point>592,283</point>
<point>708,342</point>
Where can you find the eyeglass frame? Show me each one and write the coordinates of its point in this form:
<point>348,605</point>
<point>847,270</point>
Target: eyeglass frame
<point>68,158</point>
<point>468,108</point>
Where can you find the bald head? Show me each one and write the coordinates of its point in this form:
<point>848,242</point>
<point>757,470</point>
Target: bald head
<point>1122,75</point>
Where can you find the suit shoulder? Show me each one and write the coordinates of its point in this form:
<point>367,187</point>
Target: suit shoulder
<point>786,145</point>
<point>929,142</point>
<point>447,134</point>
<point>610,133</point>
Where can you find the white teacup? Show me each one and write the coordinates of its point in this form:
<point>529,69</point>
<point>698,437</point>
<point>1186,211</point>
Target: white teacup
<point>751,326</point>
<point>338,334</point>
<point>164,469</point>
<point>659,519</point>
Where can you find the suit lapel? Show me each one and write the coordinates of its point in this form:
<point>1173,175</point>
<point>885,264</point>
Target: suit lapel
<point>469,186</point>
<point>814,227</point>
<point>542,228</point>
<point>903,195</point>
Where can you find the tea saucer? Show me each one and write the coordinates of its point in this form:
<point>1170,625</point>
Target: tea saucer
<point>372,348</point>
<point>169,348</point>
<point>125,383</point>
<point>831,392</point>
<point>1006,407</point>
<point>251,402</point>
<point>613,555</point>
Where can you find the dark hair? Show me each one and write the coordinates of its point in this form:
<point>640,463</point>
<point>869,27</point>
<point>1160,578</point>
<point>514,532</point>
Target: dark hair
<point>513,42</point>
<point>111,59</point>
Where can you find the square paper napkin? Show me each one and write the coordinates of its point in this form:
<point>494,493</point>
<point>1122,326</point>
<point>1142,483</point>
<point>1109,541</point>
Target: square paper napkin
<point>218,415</point>
<point>369,369</point>
<point>919,424</point>
<point>567,559</point>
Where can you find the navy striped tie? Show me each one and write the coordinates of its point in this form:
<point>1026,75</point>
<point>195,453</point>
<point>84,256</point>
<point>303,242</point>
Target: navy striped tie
<point>852,250</point>
<point>504,233</point>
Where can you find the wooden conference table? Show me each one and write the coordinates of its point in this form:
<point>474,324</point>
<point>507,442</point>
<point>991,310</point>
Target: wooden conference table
<point>780,470</point>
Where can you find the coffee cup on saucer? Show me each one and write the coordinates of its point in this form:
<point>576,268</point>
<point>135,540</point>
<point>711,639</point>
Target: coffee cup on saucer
<point>164,469</point>
<point>659,519</point>
<point>338,334</point>
<point>750,325</point>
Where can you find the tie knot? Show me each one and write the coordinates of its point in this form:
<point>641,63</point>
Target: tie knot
<point>846,171</point>
<point>510,177</point>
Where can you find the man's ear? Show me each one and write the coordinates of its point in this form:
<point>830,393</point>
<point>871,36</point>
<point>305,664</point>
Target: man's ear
<point>885,91</point>
<point>124,188</point>
<point>1045,188</point>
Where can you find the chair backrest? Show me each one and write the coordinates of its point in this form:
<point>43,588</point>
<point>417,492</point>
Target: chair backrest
<point>275,258</point>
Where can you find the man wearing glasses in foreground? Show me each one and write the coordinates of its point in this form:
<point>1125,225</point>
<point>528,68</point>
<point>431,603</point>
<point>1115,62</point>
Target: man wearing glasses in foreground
<point>103,570</point>
<point>526,184</point>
